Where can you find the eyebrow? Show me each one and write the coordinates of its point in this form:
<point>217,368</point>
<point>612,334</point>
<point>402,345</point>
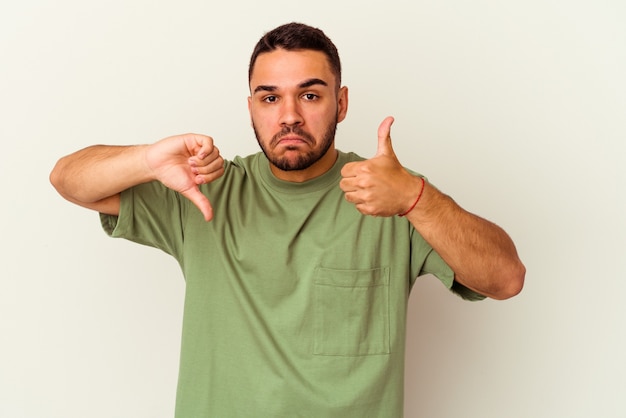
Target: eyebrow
<point>305,84</point>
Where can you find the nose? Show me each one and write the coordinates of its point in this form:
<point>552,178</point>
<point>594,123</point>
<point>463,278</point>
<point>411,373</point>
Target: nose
<point>290,113</point>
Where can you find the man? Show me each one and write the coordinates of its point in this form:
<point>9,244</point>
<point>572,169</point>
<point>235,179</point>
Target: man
<point>296,291</point>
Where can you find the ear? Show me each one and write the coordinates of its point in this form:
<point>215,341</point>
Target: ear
<point>342,104</point>
<point>250,110</point>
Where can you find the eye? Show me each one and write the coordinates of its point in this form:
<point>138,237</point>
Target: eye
<point>270,99</point>
<point>310,96</point>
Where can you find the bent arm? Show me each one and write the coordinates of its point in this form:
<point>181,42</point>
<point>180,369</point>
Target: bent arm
<point>481,254</point>
<point>95,176</point>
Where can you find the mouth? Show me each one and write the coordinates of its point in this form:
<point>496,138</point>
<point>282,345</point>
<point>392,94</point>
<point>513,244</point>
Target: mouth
<point>292,138</point>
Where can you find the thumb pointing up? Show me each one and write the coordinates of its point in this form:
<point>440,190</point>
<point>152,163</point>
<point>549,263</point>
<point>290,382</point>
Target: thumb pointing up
<point>384,138</point>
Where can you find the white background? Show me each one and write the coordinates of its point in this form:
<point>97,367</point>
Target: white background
<point>516,109</point>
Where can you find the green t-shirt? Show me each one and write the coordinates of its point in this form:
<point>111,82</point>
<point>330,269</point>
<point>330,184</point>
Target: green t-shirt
<point>295,303</point>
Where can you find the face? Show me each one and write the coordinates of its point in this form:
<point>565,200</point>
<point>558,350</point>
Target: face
<point>295,107</point>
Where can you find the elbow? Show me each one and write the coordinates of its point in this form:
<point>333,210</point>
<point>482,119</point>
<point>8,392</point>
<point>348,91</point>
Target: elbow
<point>511,283</point>
<point>55,177</point>
<point>58,178</point>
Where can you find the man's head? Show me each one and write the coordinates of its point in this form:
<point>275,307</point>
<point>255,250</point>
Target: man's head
<point>296,100</point>
<point>298,36</point>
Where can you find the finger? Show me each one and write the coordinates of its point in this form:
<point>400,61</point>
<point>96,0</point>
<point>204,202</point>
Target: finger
<point>349,169</point>
<point>384,137</point>
<point>200,200</point>
<point>200,146</point>
<point>206,176</point>
<point>204,156</point>
<point>211,163</point>
<point>352,197</point>
<point>347,185</point>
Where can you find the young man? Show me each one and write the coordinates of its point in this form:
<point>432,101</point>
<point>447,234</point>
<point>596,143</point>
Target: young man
<point>296,291</point>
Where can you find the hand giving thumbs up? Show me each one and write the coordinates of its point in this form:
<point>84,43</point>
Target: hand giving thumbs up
<point>380,186</point>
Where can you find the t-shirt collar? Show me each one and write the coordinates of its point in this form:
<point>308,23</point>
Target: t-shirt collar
<point>321,182</point>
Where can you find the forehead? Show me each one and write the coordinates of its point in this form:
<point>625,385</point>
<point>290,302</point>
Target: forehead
<point>282,68</point>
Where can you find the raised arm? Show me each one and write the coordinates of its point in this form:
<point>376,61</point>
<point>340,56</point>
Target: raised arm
<point>95,176</point>
<point>481,254</point>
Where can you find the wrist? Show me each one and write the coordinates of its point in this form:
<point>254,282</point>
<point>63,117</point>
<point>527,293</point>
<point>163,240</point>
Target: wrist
<point>420,191</point>
<point>148,155</point>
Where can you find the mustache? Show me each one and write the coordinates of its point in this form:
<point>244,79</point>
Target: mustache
<point>297,130</point>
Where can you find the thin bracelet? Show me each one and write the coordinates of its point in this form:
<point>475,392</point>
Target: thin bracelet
<point>416,200</point>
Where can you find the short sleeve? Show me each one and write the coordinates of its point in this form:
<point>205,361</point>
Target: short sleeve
<point>435,265</point>
<point>150,214</point>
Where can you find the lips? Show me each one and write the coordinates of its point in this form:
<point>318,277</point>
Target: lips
<point>291,140</point>
<point>292,137</point>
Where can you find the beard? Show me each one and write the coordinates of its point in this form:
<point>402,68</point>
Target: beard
<point>302,161</point>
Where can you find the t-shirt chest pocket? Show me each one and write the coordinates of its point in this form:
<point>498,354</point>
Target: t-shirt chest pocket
<point>351,312</point>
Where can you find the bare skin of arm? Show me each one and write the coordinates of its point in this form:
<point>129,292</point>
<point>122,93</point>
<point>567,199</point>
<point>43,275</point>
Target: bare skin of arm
<point>481,254</point>
<point>95,176</point>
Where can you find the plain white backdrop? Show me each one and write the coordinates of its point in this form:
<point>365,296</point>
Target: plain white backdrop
<point>516,109</point>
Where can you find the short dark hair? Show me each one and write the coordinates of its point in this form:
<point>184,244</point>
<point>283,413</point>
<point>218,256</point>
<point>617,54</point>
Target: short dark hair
<point>297,36</point>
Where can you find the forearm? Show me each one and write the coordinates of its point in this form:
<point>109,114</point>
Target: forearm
<point>480,253</point>
<point>99,172</point>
